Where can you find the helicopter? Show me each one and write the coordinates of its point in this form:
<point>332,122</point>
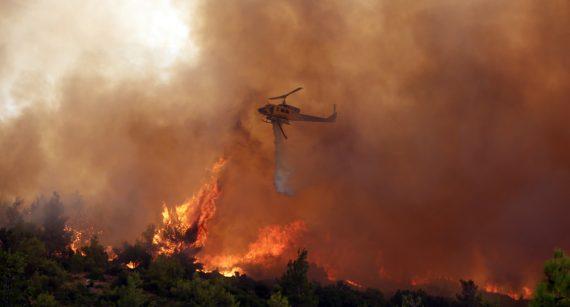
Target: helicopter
<point>279,114</point>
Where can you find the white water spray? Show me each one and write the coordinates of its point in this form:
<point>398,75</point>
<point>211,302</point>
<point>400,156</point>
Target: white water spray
<point>282,170</point>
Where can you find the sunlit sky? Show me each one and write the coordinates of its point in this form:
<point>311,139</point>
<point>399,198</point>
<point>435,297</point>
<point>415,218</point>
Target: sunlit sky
<point>44,40</point>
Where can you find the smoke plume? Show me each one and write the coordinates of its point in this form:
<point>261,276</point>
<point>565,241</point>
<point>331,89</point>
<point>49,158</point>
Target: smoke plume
<point>450,159</point>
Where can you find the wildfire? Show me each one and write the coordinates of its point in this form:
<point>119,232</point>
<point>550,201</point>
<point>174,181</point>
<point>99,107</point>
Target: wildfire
<point>111,255</point>
<point>76,235</point>
<point>184,226</point>
<point>354,283</point>
<point>524,292</point>
<point>132,265</point>
<point>272,241</point>
<point>80,238</point>
<point>331,274</point>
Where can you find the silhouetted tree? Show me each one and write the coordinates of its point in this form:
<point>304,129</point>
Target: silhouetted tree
<point>339,294</point>
<point>411,297</point>
<point>11,213</point>
<point>12,238</point>
<point>95,261</point>
<point>131,294</point>
<point>12,279</point>
<point>163,274</point>
<point>277,300</point>
<point>45,300</point>
<point>247,291</point>
<point>188,263</point>
<point>373,298</point>
<point>410,300</point>
<point>147,237</point>
<point>294,283</point>
<point>135,253</point>
<point>469,296</point>
<point>200,292</point>
<point>554,290</point>
<point>54,234</point>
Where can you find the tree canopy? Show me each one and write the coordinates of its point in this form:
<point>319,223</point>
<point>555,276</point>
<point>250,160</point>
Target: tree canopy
<point>554,289</point>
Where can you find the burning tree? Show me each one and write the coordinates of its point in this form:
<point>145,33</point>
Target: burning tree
<point>470,295</point>
<point>183,227</point>
<point>55,233</point>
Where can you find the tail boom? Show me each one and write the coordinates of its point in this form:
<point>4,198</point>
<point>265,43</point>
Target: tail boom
<point>311,118</point>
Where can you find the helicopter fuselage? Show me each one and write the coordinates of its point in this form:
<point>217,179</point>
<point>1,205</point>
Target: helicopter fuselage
<point>280,112</point>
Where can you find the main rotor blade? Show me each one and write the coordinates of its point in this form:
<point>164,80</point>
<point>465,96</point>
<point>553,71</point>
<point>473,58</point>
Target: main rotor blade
<point>285,95</point>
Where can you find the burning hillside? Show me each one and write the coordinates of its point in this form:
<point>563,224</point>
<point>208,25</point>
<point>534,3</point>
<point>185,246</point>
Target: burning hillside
<point>184,229</point>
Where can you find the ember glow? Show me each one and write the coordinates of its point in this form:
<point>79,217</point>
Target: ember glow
<point>111,255</point>
<point>447,281</point>
<point>354,283</point>
<point>524,292</point>
<point>132,265</point>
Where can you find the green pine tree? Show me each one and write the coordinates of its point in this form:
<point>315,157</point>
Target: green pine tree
<point>554,290</point>
<point>295,283</point>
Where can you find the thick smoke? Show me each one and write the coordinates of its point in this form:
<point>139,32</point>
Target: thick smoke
<point>282,169</point>
<point>449,159</point>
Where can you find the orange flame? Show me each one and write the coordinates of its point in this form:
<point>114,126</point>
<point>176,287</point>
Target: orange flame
<point>80,238</point>
<point>76,235</point>
<point>354,283</point>
<point>111,255</point>
<point>515,294</point>
<point>132,265</point>
<point>184,226</point>
<point>524,292</point>
<point>272,242</point>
